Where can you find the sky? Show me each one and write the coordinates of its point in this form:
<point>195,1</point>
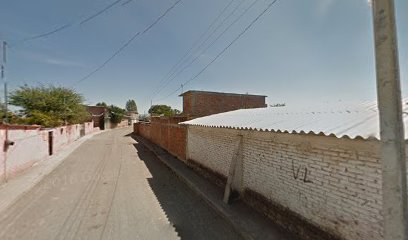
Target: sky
<point>298,53</point>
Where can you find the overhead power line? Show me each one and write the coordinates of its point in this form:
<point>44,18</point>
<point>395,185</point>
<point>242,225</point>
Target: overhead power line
<point>100,12</point>
<point>169,95</point>
<point>175,66</point>
<point>140,33</point>
<point>65,26</point>
<point>268,7</point>
<point>198,55</point>
<point>178,71</point>
<point>58,29</point>
<point>127,2</point>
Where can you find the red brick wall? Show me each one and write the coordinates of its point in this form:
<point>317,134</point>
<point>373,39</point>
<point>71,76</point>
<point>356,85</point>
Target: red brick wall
<point>198,104</point>
<point>188,104</point>
<point>167,133</point>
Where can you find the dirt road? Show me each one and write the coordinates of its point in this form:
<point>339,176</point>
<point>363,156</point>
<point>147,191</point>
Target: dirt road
<point>111,187</point>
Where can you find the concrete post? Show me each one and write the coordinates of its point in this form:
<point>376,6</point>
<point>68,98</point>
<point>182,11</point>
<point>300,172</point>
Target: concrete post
<point>235,172</point>
<point>5,117</point>
<point>394,174</point>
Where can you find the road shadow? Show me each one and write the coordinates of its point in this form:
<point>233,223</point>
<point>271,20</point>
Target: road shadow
<point>189,214</point>
<point>129,135</point>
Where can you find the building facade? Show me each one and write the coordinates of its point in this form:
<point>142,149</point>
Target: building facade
<point>204,103</point>
<point>99,116</point>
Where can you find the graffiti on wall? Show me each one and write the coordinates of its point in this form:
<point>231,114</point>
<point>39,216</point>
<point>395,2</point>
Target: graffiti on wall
<point>301,173</point>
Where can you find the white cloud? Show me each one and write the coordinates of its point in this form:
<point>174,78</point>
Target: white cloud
<point>38,57</point>
<point>62,62</point>
<point>324,6</point>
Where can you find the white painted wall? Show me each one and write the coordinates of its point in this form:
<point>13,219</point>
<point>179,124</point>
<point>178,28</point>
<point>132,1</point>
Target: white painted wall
<point>341,191</point>
<point>31,146</point>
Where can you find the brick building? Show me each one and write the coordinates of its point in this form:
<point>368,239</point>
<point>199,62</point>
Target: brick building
<point>99,115</point>
<point>203,103</point>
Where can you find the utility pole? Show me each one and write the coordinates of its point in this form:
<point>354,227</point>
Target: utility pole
<point>3,77</point>
<point>5,120</point>
<point>394,175</point>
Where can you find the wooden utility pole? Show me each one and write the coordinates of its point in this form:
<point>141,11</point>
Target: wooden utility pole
<point>394,171</point>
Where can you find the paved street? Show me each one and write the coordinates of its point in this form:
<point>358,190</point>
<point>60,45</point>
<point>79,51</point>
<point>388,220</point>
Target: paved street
<point>111,187</point>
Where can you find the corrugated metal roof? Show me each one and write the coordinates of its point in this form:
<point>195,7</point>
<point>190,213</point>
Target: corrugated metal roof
<point>341,120</point>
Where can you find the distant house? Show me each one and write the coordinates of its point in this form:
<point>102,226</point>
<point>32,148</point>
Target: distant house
<point>99,116</point>
<point>132,117</point>
<point>204,103</point>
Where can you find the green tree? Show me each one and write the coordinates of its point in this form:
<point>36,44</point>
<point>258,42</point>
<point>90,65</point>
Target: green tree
<point>163,110</point>
<point>131,106</point>
<point>49,106</point>
<point>176,112</point>
<point>102,104</point>
<point>116,114</point>
<point>2,112</point>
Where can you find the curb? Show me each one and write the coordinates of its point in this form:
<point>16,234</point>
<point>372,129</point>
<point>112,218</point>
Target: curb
<point>210,202</point>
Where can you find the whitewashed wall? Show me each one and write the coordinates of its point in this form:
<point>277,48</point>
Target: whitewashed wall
<point>65,135</point>
<point>31,146</point>
<point>333,183</point>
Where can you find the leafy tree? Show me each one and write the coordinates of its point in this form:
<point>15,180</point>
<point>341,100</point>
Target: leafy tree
<point>116,113</point>
<point>40,118</point>
<point>131,106</point>
<point>2,115</point>
<point>160,110</point>
<point>49,106</point>
<point>102,104</point>
<point>163,110</point>
<point>144,117</point>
